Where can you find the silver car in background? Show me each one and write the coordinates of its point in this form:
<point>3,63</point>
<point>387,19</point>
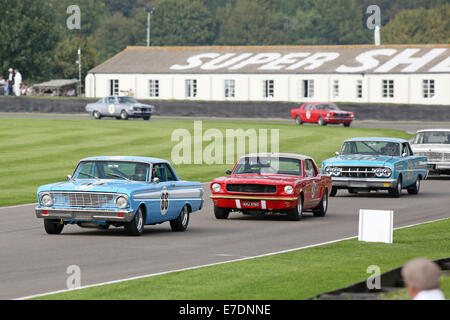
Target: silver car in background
<point>435,145</point>
<point>120,107</point>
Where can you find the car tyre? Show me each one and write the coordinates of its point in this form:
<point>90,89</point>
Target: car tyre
<point>347,125</point>
<point>97,115</point>
<point>397,190</point>
<point>147,118</point>
<point>53,226</point>
<point>124,115</point>
<point>415,188</point>
<point>136,226</point>
<point>181,223</point>
<point>321,122</point>
<point>296,214</point>
<point>298,121</point>
<point>334,191</point>
<point>321,210</point>
<point>221,213</point>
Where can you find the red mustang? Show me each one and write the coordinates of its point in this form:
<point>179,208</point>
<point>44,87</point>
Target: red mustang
<point>322,114</point>
<point>272,183</point>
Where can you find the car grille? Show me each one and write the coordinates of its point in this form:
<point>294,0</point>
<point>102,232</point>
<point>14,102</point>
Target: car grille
<point>251,188</point>
<point>84,199</point>
<point>434,156</point>
<point>141,109</point>
<point>358,172</point>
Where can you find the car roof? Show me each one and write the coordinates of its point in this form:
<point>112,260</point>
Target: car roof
<point>279,155</point>
<point>433,130</point>
<point>126,158</point>
<point>383,139</point>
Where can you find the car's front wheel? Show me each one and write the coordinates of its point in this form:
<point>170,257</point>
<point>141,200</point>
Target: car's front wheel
<point>147,118</point>
<point>298,120</point>
<point>136,226</point>
<point>97,115</point>
<point>53,226</point>
<point>221,213</point>
<point>397,190</point>
<point>296,214</point>
<point>415,188</point>
<point>321,122</point>
<point>181,223</point>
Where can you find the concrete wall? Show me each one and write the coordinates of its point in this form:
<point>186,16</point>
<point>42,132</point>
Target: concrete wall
<point>233,109</point>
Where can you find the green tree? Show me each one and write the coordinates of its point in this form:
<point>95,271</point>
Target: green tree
<point>248,22</point>
<point>66,53</point>
<point>419,26</point>
<point>28,36</point>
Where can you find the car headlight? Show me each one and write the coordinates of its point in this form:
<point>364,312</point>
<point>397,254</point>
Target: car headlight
<point>289,189</point>
<point>336,171</point>
<point>383,172</point>
<point>387,172</point>
<point>216,187</point>
<point>379,172</point>
<point>122,202</point>
<point>47,200</point>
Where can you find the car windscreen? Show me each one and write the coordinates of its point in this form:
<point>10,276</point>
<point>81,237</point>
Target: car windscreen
<point>127,100</point>
<point>269,165</point>
<point>327,107</point>
<point>374,148</point>
<point>432,137</point>
<point>115,170</point>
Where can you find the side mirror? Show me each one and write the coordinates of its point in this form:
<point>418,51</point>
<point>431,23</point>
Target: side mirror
<point>156,180</point>
<point>228,172</point>
<point>69,177</point>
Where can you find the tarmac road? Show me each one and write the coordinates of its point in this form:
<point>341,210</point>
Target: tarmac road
<point>32,262</point>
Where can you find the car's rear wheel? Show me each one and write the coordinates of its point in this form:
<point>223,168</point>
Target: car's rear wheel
<point>296,214</point>
<point>136,226</point>
<point>124,115</point>
<point>321,210</point>
<point>97,115</point>
<point>221,213</point>
<point>415,188</point>
<point>397,190</point>
<point>298,120</point>
<point>181,223</point>
<point>53,226</point>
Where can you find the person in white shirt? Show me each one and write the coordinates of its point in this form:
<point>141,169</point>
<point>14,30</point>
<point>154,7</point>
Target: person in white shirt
<point>422,278</point>
<point>17,82</point>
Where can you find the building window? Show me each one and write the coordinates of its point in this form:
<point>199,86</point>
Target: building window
<point>428,88</point>
<point>191,88</point>
<point>113,87</point>
<point>268,88</point>
<point>306,89</point>
<point>335,88</point>
<point>153,88</point>
<point>359,89</point>
<point>229,89</point>
<point>388,88</point>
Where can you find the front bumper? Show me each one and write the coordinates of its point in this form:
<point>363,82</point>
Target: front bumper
<point>79,214</point>
<point>259,203</point>
<point>339,120</point>
<point>438,165</point>
<point>364,183</point>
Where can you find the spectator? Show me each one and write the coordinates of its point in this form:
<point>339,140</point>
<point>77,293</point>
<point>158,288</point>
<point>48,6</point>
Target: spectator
<point>3,84</point>
<point>17,82</point>
<point>30,91</point>
<point>131,93</point>
<point>10,81</point>
<point>70,92</point>
<point>422,277</point>
<point>23,90</point>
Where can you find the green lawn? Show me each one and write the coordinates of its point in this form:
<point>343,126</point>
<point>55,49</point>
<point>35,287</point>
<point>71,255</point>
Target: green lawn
<point>403,293</point>
<point>40,151</point>
<point>295,275</point>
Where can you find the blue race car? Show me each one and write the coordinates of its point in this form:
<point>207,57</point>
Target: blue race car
<point>125,192</point>
<point>367,164</point>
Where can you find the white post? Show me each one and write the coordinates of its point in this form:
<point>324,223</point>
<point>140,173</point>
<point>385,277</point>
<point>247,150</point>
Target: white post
<point>79,71</point>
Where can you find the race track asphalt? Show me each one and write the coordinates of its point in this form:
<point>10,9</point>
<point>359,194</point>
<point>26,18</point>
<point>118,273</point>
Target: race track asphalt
<point>32,262</point>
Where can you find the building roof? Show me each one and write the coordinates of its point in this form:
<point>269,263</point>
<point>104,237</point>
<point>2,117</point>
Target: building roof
<point>59,83</point>
<point>358,59</point>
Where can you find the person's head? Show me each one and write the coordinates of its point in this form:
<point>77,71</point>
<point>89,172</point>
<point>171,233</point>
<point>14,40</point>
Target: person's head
<point>421,275</point>
<point>16,70</point>
<point>10,70</point>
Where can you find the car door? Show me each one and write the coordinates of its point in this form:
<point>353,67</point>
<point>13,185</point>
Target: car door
<point>169,207</point>
<point>312,175</point>
<point>307,113</point>
<point>412,163</point>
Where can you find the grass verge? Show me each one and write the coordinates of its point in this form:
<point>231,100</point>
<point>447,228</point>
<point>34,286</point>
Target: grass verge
<point>289,276</point>
<point>41,151</point>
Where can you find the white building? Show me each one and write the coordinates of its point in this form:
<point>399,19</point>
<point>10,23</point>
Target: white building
<point>400,74</point>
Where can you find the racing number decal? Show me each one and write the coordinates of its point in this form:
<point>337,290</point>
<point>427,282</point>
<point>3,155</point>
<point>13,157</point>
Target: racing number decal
<point>308,115</point>
<point>111,109</point>
<point>164,201</point>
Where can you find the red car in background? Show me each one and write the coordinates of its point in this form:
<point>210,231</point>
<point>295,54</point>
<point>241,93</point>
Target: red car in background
<point>322,114</point>
<point>272,183</point>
